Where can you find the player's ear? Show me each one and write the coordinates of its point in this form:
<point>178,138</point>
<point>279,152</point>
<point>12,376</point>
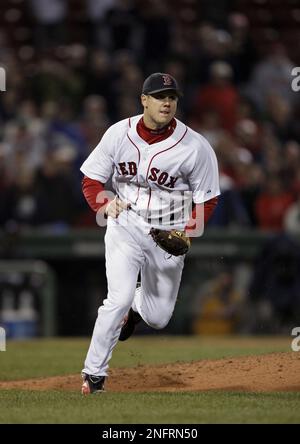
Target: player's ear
<point>144,100</point>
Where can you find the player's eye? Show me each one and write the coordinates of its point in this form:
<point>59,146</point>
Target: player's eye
<point>164,96</point>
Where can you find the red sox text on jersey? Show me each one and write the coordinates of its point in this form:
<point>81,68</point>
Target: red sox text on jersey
<point>156,175</point>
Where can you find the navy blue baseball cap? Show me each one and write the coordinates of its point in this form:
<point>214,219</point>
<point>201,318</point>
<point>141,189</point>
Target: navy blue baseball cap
<point>159,82</point>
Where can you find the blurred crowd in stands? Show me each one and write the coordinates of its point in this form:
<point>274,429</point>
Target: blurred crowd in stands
<point>78,67</point>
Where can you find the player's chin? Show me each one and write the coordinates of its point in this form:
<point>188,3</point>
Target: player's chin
<point>165,118</point>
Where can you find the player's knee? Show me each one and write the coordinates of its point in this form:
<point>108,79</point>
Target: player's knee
<point>159,321</point>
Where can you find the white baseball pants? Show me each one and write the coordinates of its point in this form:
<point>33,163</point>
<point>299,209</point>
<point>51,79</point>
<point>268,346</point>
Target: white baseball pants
<point>129,250</point>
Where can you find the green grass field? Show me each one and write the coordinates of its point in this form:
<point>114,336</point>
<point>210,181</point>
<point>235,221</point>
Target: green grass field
<point>42,358</point>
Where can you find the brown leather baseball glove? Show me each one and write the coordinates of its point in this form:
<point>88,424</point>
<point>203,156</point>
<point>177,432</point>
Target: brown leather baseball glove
<point>173,242</point>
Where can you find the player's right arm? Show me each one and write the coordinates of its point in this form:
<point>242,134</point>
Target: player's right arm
<point>99,200</point>
<point>100,163</point>
<point>98,168</point>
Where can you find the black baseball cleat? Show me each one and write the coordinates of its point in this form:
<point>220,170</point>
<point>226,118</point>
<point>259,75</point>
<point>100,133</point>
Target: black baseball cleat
<point>133,318</point>
<point>92,384</point>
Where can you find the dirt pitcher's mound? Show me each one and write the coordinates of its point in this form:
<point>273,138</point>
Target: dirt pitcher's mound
<point>264,373</point>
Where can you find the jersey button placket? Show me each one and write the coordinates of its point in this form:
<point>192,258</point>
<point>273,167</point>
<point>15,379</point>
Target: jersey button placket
<point>144,163</point>
<point>144,154</point>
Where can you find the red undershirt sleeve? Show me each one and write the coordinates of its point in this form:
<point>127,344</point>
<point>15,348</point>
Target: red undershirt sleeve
<point>209,207</point>
<point>91,189</point>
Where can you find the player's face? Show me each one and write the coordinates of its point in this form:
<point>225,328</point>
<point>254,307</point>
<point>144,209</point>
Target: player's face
<point>159,109</point>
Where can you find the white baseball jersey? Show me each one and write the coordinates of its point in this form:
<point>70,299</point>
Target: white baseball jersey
<point>158,180</point>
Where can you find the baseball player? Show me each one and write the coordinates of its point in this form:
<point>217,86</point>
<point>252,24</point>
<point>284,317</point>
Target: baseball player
<point>154,160</point>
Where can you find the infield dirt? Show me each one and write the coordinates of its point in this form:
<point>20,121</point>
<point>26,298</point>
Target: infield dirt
<point>262,373</point>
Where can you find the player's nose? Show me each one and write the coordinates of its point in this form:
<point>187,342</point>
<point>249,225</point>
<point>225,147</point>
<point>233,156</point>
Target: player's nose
<point>167,101</point>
